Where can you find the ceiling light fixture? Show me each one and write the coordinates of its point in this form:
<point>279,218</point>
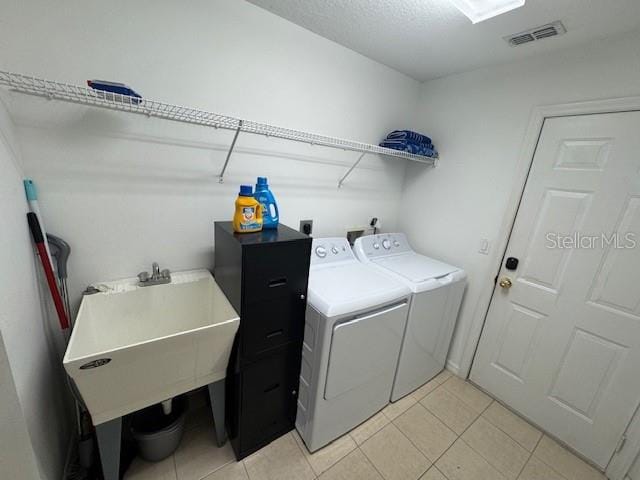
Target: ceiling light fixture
<point>479,10</point>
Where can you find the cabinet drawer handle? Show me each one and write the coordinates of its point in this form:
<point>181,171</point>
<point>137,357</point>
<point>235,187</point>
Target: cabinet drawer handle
<point>275,333</point>
<point>277,282</point>
<point>271,388</point>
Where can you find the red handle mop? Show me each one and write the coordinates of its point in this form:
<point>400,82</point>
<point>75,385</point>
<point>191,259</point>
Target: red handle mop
<point>38,239</point>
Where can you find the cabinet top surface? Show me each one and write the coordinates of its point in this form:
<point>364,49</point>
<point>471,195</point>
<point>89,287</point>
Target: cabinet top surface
<point>281,234</point>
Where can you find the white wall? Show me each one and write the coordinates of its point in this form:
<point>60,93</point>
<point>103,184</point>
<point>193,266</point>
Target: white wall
<point>127,191</point>
<point>17,459</point>
<point>29,337</point>
<point>478,120</point>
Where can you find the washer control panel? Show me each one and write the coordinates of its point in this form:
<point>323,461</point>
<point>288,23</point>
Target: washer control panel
<point>327,250</point>
<point>374,246</point>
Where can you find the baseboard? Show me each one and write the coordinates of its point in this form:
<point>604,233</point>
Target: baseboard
<point>453,367</point>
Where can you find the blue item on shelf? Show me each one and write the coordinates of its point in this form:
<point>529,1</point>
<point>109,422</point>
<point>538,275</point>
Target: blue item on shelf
<point>409,136</point>
<point>427,150</point>
<point>114,87</point>
<point>270,217</point>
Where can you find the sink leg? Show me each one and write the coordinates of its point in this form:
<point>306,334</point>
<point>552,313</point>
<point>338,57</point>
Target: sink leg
<point>216,394</point>
<point>109,434</point>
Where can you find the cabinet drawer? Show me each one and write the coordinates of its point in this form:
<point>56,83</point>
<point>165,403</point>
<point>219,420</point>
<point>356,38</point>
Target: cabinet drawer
<point>269,396</point>
<point>271,323</point>
<point>276,271</point>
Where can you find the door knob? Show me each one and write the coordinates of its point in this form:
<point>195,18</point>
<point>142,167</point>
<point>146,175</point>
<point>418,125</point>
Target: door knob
<point>505,282</point>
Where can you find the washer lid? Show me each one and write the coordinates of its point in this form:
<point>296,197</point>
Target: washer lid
<point>351,286</point>
<point>415,267</point>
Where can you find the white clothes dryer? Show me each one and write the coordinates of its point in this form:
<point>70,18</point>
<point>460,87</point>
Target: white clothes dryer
<point>355,319</point>
<point>437,290</point>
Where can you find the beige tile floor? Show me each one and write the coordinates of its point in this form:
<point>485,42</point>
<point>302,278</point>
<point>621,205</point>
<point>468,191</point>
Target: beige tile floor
<point>445,430</point>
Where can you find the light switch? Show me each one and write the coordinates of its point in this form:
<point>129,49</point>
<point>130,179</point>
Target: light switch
<point>484,247</point>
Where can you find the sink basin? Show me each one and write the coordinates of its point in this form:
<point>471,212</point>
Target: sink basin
<point>135,346</point>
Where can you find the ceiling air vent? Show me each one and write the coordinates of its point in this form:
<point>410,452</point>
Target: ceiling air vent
<point>537,33</point>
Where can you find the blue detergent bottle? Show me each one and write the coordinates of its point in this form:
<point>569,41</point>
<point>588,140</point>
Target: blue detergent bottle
<point>268,201</point>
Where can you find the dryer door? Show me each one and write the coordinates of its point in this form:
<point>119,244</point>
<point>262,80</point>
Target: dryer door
<point>365,350</point>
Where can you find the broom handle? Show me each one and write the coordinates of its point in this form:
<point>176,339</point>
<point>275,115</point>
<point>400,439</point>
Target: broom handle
<point>38,239</point>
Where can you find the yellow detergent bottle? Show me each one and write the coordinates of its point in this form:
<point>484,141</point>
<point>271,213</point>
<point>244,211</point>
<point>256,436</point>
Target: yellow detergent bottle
<point>248,216</point>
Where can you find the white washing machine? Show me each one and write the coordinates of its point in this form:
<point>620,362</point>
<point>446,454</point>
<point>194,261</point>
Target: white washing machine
<point>437,290</point>
<point>356,316</point>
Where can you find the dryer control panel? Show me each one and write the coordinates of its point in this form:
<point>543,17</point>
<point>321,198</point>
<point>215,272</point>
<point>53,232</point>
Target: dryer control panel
<point>328,250</point>
<point>381,245</point>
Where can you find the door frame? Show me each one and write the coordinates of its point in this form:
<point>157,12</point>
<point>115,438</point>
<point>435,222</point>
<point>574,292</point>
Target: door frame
<point>622,461</point>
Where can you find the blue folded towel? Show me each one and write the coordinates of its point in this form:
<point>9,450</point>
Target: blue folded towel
<point>410,136</point>
<point>411,147</point>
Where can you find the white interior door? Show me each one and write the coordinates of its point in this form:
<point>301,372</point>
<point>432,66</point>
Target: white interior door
<point>562,345</point>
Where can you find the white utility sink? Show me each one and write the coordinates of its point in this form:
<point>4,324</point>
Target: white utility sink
<point>135,346</point>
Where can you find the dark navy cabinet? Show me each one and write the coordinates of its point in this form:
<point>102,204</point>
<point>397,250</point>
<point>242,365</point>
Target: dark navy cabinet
<point>264,275</point>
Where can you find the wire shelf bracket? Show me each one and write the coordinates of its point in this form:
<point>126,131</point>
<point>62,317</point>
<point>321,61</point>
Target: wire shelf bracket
<point>344,177</point>
<point>231,147</point>
<point>80,95</point>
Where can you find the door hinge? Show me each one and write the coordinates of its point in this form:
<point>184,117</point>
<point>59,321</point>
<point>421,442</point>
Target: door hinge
<point>621,443</point>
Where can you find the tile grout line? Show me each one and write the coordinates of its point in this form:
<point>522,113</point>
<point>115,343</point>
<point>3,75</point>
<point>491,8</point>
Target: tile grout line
<point>246,472</point>
<point>543,433</point>
<point>513,412</point>
<point>462,440</point>
<point>337,461</point>
<point>525,463</point>
<point>531,456</point>
<point>479,414</point>
<point>212,471</point>
<point>494,400</point>
<point>414,445</point>
<point>302,452</point>
<point>486,459</point>
<point>438,384</point>
<point>540,459</point>
<point>441,472</point>
<point>175,466</point>
<point>348,434</point>
<point>411,441</point>
<point>443,370</point>
<point>520,418</point>
<point>530,453</point>
<point>464,401</point>
<point>459,437</point>
<point>392,422</point>
<point>516,441</point>
<point>369,460</point>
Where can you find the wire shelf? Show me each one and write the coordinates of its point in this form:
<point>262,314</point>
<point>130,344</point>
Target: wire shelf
<point>152,108</point>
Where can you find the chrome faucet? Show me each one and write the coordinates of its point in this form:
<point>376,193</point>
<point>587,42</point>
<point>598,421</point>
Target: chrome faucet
<point>157,277</point>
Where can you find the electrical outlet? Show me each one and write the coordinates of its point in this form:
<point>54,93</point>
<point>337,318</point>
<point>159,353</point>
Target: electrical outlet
<point>306,227</point>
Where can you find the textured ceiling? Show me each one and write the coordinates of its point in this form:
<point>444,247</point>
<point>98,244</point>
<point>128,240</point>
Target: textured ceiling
<point>427,39</point>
